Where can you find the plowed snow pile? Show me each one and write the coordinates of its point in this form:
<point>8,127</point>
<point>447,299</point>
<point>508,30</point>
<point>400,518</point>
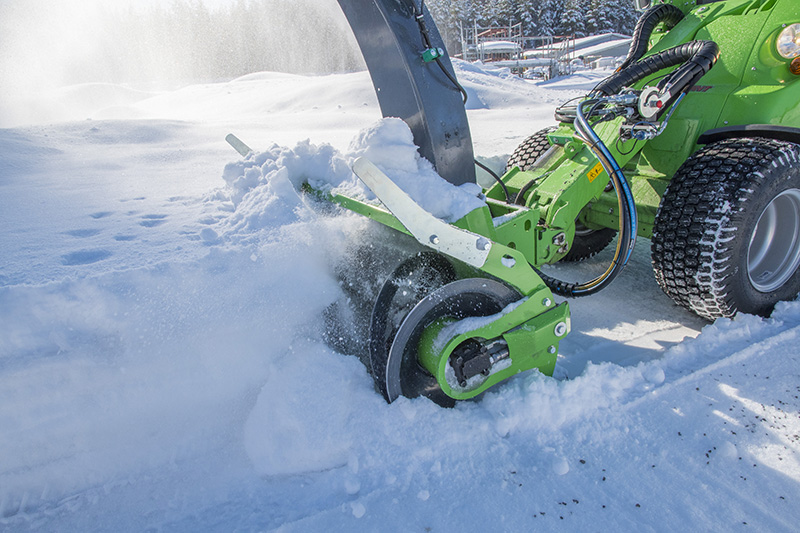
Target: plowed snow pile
<point>162,369</point>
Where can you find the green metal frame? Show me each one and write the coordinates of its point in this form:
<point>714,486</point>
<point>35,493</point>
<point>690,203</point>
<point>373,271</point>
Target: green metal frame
<point>532,330</point>
<point>750,84</point>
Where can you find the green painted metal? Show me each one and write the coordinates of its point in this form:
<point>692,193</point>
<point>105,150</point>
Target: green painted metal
<point>750,84</point>
<point>529,330</point>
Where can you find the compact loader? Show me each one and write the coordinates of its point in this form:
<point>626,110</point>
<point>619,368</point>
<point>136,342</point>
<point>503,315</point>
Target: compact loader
<point>692,143</point>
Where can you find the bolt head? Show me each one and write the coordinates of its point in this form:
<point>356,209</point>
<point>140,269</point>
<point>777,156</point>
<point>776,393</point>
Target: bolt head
<point>547,302</point>
<point>551,350</point>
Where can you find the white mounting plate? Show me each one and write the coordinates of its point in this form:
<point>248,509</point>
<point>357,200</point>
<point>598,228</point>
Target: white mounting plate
<point>430,231</point>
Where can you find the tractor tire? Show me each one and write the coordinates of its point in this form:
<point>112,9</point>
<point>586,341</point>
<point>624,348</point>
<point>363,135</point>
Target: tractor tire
<point>530,150</point>
<point>587,241</point>
<point>727,233</point>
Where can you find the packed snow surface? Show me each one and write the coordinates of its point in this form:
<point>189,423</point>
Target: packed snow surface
<point>162,368</point>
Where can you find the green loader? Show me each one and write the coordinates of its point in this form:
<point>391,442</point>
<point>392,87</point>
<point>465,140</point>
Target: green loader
<point>693,143</point>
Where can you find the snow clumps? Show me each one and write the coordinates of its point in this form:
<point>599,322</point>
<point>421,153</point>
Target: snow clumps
<point>263,186</point>
<point>389,144</point>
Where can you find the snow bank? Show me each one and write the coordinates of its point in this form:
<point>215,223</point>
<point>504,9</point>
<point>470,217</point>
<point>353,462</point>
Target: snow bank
<point>491,87</point>
<point>389,144</point>
<point>161,366</point>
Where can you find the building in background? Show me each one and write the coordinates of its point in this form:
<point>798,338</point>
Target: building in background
<point>541,56</point>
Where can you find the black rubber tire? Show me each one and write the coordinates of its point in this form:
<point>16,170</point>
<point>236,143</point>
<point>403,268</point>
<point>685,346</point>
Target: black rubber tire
<point>587,242</point>
<point>530,149</point>
<point>709,212</point>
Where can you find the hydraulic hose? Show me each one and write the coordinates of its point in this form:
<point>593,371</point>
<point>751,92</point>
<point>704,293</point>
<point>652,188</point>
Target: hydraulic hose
<point>666,13</point>
<point>496,178</point>
<point>696,58</point>
<point>426,41</point>
<point>704,55</point>
<point>627,210</point>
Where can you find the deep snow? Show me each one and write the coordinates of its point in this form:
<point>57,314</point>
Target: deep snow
<point>161,363</point>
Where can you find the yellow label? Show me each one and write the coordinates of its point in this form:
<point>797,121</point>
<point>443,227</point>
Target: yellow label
<point>592,175</point>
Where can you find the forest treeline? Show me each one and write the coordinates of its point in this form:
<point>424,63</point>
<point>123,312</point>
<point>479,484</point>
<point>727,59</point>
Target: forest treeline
<point>538,17</point>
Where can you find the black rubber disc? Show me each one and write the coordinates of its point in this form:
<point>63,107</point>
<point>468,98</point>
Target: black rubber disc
<point>401,374</point>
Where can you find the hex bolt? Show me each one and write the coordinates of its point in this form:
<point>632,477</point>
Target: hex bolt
<point>434,239</point>
<point>551,350</point>
<point>561,329</point>
<point>547,302</point>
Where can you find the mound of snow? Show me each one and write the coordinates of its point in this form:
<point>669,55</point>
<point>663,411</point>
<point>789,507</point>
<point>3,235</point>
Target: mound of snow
<point>180,384</point>
<point>389,144</point>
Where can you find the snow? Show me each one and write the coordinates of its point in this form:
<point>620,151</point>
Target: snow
<point>499,47</point>
<point>161,362</point>
<point>602,49</point>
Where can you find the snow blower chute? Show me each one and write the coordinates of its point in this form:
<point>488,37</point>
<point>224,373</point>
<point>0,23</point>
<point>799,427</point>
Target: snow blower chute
<point>693,143</point>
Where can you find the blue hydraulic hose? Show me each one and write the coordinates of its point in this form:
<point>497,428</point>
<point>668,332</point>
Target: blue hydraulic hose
<point>617,172</point>
<point>628,218</point>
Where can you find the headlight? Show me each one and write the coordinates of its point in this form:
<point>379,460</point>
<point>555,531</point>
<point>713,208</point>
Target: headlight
<point>789,41</point>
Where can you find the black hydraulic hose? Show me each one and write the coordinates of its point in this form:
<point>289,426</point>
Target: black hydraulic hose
<point>627,210</point>
<point>572,289</point>
<point>497,178</point>
<point>519,199</point>
<point>696,58</point>
<point>426,41</point>
<point>704,55</point>
<point>666,13</point>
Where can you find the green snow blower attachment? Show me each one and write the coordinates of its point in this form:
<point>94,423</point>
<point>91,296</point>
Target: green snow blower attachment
<point>693,143</point>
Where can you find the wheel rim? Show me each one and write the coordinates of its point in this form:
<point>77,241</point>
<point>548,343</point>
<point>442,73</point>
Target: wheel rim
<point>582,231</point>
<point>774,252</point>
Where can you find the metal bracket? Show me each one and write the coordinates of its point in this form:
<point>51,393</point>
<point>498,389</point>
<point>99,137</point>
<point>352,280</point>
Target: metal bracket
<point>460,244</point>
